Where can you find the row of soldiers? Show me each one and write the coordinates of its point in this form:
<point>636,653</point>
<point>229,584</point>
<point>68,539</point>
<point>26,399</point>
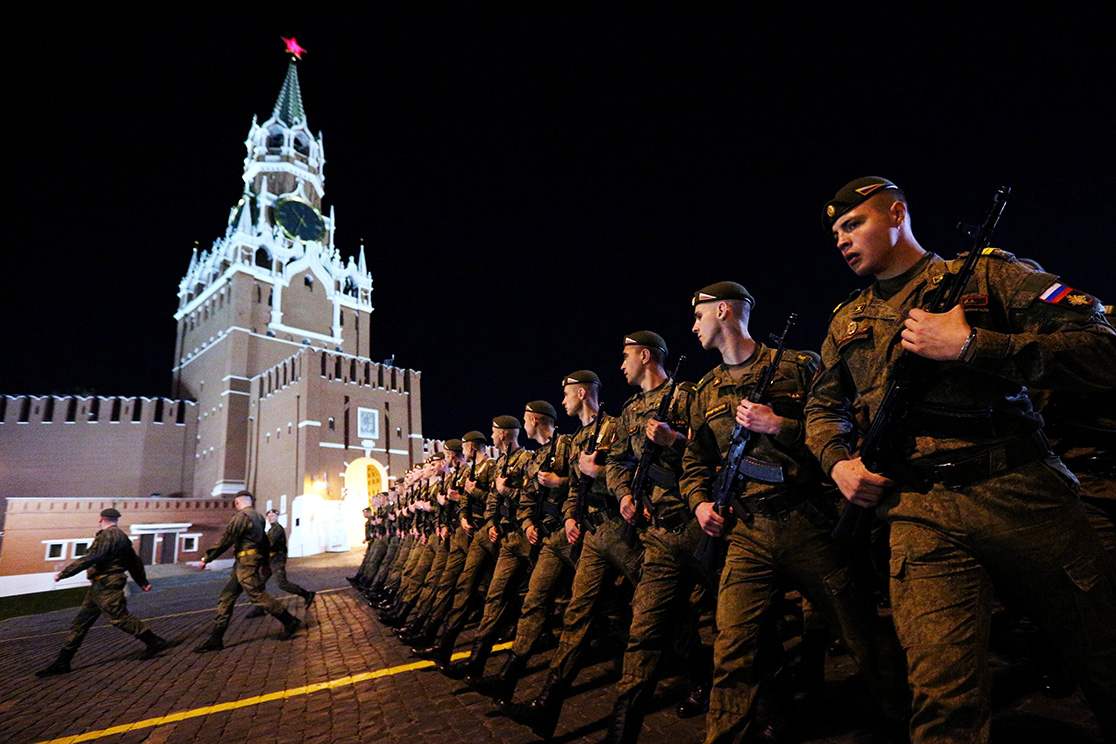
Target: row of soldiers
<point>984,499</point>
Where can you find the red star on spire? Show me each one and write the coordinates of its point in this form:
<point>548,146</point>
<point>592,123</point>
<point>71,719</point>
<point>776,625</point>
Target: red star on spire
<point>293,47</point>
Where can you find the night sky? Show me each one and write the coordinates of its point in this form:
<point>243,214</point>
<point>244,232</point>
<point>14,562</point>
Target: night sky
<point>530,189</point>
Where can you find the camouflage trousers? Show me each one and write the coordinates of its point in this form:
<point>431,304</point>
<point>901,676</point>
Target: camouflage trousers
<point>395,572</point>
<point>553,566</point>
<point>386,562</point>
<point>762,559</point>
<point>278,569</point>
<point>482,554</point>
<point>248,576</point>
<point>105,594</point>
<point>372,559</point>
<point>419,569</point>
<point>512,563</point>
<point>425,601</point>
<point>604,555</point>
<point>660,605</point>
<point>1025,533</point>
<point>456,560</point>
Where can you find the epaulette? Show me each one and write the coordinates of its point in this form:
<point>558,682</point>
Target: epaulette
<point>709,377</point>
<point>989,252</point>
<point>852,296</point>
<point>628,402</point>
<point>688,387</point>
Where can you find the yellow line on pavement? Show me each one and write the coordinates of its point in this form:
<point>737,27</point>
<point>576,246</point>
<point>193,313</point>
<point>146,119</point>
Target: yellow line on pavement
<point>158,617</point>
<point>247,702</point>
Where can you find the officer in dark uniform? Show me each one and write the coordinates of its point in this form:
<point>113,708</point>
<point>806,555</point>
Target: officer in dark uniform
<point>108,560</point>
<point>277,563</point>
<point>670,534</point>
<point>777,531</point>
<point>245,534</point>
<point>979,498</point>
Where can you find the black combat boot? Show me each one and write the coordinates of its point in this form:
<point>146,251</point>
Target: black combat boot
<point>504,689</point>
<point>441,650</point>
<point>154,644</point>
<point>471,669</point>
<point>61,665</point>
<point>627,717</point>
<point>215,642</point>
<point>545,710</point>
<point>291,624</point>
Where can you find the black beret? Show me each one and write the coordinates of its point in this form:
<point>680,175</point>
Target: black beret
<point>474,436</point>
<point>581,377</point>
<point>110,513</point>
<point>853,194</point>
<point>506,422</point>
<point>649,339</point>
<point>723,291</point>
<point>453,445</point>
<point>542,408</point>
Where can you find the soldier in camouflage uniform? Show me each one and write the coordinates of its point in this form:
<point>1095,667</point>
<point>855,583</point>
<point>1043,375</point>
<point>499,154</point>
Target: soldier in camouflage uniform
<point>372,547</point>
<point>980,499</point>
<point>426,543</point>
<point>505,474</point>
<point>470,491</point>
<point>504,517</point>
<point>777,531</point>
<point>247,536</point>
<point>604,553</point>
<point>108,560</point>
<point>546,487</point>
<point>669,570</point>
<point>446,517</point>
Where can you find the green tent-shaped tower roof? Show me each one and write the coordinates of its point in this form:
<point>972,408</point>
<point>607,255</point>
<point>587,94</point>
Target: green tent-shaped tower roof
<point>288,108</point>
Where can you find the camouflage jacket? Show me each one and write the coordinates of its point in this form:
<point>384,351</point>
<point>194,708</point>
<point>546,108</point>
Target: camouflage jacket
<point>501,511</point>
<point>247,530</point>
<point>598,497</point>
<point>1030,330</point>
<point>537,500</point>
<point>713,417</point>
<point>631,439</point>
<point>110,553</point>
<point>478,497</point>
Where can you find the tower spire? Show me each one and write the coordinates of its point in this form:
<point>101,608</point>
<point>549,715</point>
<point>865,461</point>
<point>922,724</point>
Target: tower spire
<point>288,106</point>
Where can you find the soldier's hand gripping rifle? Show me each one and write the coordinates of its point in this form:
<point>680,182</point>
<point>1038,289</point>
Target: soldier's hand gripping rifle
<point>585,482</point>
<point>738,467</point>
<point>641,481</point>
<point>880,447</point>
<point>463,507</point>
<point>548,467</point>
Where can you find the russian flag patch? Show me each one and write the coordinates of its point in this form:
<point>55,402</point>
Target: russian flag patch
<point>1055,293</point>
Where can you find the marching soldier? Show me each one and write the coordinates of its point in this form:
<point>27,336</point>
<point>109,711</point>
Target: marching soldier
<point>979,499</point>
<point>597,525</point>
<point>108,560</point>
<point>504,526</point>
<point>777,529</point>
<point>669,570</point>
<point>246,535</point>
<point>277,563</point>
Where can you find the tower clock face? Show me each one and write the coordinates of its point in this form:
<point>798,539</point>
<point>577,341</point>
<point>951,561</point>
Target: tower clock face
<point>299,220</point>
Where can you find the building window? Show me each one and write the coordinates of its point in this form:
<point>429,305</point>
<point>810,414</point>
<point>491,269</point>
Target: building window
<point>189,544</point>
<point>332,426</point>
<point>81,547</point>
<point>55,551</point>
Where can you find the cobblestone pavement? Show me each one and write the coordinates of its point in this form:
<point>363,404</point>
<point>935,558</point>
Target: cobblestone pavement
<point>346,679</point>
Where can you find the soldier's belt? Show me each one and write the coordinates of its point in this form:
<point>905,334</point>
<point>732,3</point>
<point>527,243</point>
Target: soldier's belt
<point>674,522</point>
<point>965,423</point>
<point>662,477</point>
<point>248,551</point>
<point>968,466</point>
<point>775,505</point>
